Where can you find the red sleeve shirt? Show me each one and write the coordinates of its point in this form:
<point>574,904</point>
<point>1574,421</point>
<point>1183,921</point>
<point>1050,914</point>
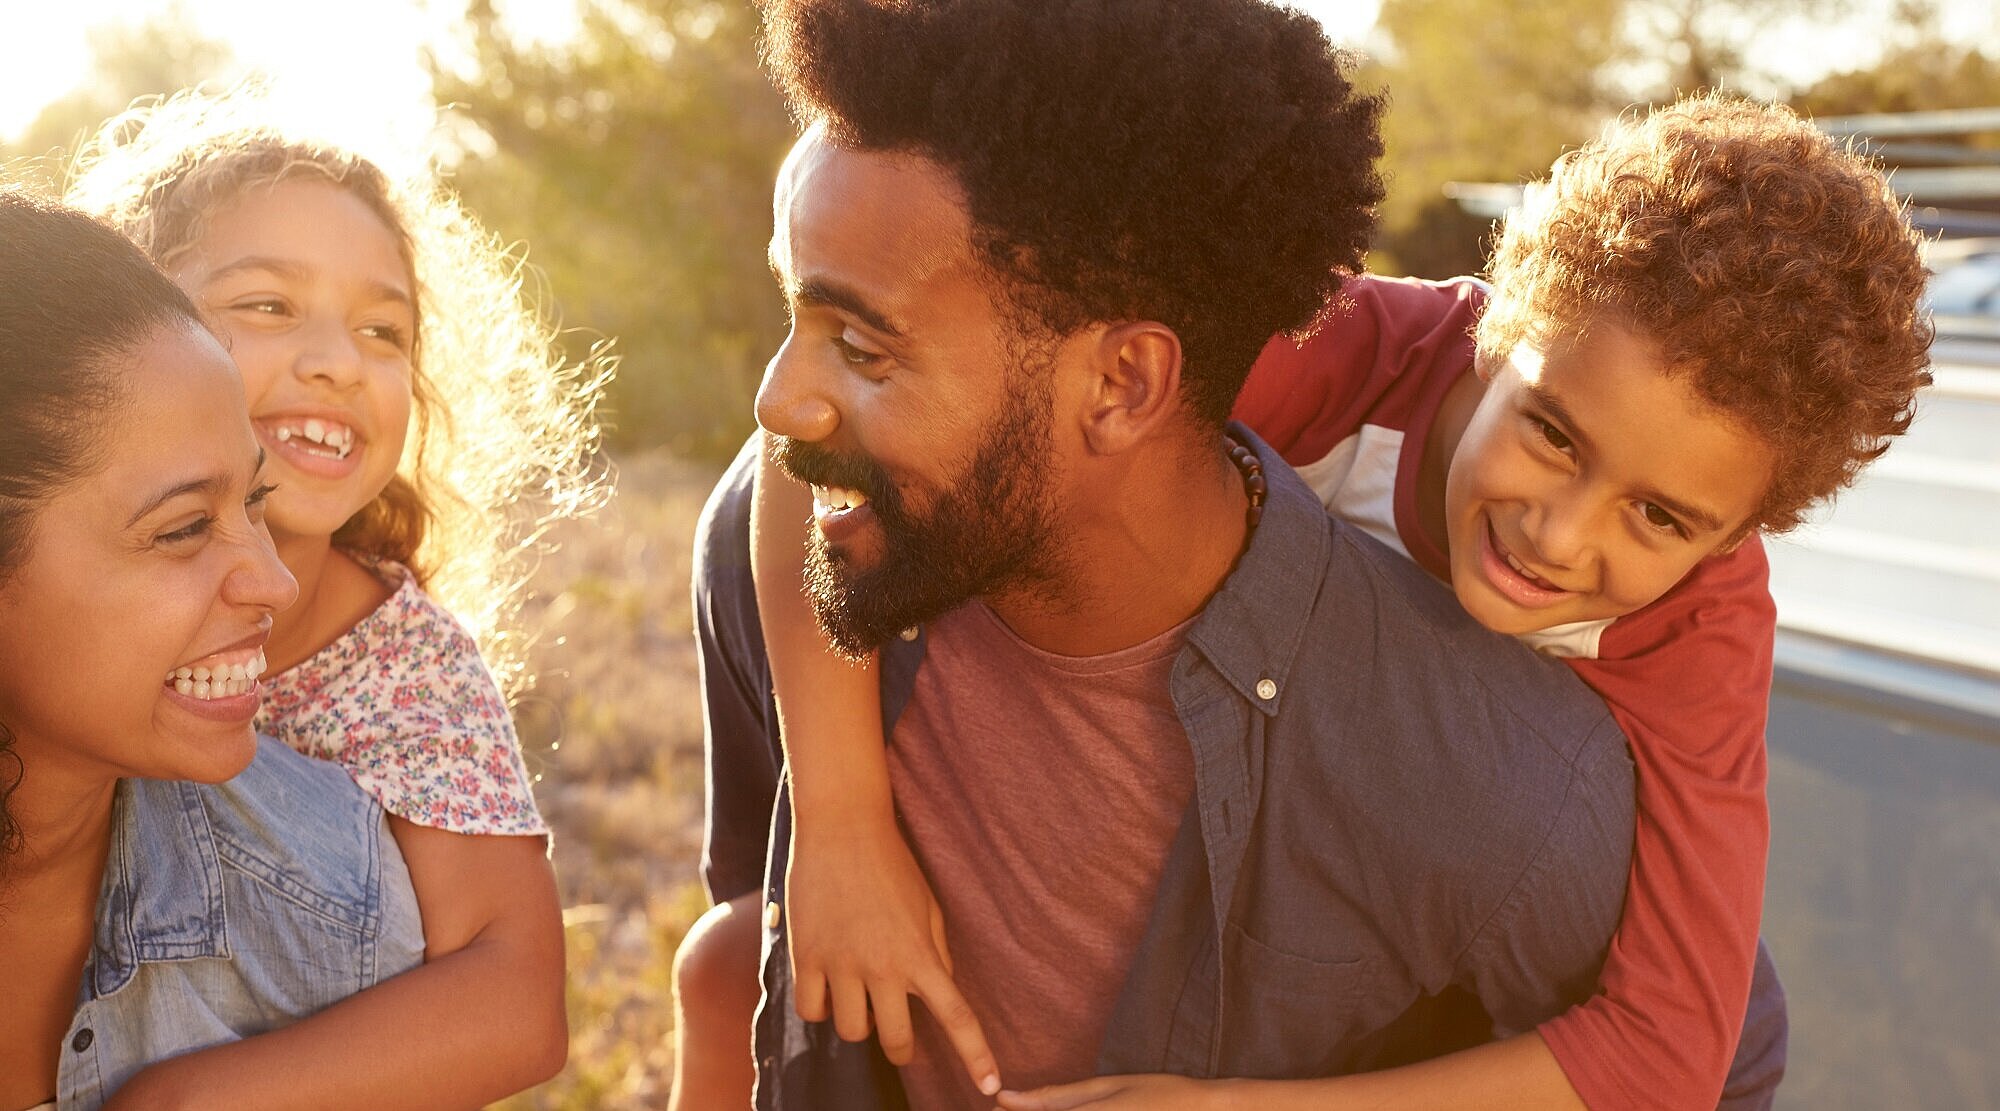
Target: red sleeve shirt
<point>1687,677</point>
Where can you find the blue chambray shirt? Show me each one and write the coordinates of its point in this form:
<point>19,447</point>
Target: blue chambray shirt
<point>231,909</point>
<point>1408,833</point>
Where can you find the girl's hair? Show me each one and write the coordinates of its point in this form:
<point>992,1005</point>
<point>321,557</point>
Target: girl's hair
<point>503,433</point>
<point>74,297</point>
<point>1774,267</point>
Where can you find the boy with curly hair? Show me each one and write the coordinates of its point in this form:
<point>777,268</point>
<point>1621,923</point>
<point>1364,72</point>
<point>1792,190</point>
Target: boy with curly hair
<point>1558,449</point>
<point>1703,323</point>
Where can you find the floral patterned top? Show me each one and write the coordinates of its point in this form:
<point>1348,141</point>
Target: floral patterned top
<point>405,704</point>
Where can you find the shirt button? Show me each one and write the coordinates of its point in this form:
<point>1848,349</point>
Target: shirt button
<point>909,633</point>
<point>1266,689</point>
<point>82,1040</point>
<point>772,916</point>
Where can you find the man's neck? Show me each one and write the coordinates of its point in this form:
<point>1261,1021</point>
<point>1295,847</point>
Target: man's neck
<point>1144,549</point>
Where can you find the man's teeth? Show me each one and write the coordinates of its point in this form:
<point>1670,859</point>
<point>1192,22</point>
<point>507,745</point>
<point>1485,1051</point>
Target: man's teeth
<point>835,498</point>
<point>218,680</point>
<point>337,437</point>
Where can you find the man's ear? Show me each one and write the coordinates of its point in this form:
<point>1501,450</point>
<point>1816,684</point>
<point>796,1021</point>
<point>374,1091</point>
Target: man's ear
<point>1136,385</point>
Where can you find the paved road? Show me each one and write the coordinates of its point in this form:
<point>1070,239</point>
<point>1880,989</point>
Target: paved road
<point>1883,901</point>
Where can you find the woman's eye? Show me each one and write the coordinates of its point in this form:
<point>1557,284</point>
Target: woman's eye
<point>264,306</point>
<point>257,501</point>
<point>188,531</point>
<point>1660,518</point>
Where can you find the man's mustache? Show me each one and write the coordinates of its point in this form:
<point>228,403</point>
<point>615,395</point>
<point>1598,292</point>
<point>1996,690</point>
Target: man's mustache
<point>817,465</point>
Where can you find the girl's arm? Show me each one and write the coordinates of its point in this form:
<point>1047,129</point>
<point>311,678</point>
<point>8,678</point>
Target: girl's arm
<point>482,1018</point>
<point>865,930</point>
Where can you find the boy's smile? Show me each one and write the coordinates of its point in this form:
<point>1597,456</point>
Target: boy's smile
<point>1589,481</point>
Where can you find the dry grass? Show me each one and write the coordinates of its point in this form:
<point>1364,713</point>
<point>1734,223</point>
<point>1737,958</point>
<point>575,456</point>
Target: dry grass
<point>612,730</point>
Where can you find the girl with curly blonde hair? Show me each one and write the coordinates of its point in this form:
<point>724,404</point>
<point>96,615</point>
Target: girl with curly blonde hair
<point>422,432</point>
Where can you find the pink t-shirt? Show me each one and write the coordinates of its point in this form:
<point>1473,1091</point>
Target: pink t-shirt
<point>1040,793</point>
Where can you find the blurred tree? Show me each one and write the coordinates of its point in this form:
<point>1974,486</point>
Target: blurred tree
<point>1481,90</point>
<point>1920,71</point>
<point>158,56</point>
<point>636,160</point>
<point>1492,90</point>
<point>1692,45</point>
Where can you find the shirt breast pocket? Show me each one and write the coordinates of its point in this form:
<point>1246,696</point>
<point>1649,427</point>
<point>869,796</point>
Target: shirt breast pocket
<point>1284,1015</point>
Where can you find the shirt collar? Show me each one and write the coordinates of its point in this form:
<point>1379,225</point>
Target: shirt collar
<point>161,899</point>
<point>1251,629</point>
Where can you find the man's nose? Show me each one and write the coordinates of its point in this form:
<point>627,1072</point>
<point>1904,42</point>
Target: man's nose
<point>791,401</point>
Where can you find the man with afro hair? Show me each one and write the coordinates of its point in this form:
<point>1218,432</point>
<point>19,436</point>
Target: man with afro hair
<point>1206,782</point>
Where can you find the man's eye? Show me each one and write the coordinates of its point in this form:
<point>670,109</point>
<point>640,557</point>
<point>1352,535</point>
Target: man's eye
<point>852,355</point>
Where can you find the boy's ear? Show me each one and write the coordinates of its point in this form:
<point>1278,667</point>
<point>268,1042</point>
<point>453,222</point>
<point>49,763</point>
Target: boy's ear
<point>1135,387</point>
<point>1484,363</point>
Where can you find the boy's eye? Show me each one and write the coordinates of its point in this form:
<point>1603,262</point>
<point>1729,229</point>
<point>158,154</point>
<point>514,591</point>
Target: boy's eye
<point>1660,518</point>
<point>1550,434</point>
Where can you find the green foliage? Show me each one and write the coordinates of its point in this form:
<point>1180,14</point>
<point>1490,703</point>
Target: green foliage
<point>636,160</point>
<point>1492,90</point>
<point>1481,90</point>
<point>1923,76</point>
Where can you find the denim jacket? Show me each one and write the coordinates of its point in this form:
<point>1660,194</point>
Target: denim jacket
<point>231,909</point>
<point>1408,833</point>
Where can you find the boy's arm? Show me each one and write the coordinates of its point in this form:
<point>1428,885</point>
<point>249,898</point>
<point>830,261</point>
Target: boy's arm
<point>865,930</point>
<point>1515,1074</point>
<point>1664,1030</point>
<point>481,1019</point>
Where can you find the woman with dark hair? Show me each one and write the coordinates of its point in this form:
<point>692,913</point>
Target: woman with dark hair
<point>167,880</point>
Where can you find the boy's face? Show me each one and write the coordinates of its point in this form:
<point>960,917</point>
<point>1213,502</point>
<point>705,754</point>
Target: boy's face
<point>1589,482</point>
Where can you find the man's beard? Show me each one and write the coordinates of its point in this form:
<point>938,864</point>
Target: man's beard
<point>991,529</point>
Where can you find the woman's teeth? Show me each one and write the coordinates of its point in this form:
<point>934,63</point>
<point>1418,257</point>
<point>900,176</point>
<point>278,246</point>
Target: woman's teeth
<point>329,438</point>
<point>218,680</point>
<point>832,499</point>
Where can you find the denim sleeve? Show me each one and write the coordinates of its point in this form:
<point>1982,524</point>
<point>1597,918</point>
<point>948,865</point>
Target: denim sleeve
<point>739,718</point>
<point>1541,952</point>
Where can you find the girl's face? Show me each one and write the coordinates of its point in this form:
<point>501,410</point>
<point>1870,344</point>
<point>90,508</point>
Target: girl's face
<point>319,311</point>
<point>145,576</point>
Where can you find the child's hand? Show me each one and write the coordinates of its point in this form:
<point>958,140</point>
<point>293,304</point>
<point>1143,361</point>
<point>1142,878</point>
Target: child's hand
<point>865,930</point>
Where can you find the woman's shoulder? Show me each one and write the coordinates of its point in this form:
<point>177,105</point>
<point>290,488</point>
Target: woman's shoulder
<point>287,822</point>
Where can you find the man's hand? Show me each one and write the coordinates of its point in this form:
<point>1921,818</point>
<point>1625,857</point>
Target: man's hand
<point>1149,1092</point>
<point>865,930</point>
